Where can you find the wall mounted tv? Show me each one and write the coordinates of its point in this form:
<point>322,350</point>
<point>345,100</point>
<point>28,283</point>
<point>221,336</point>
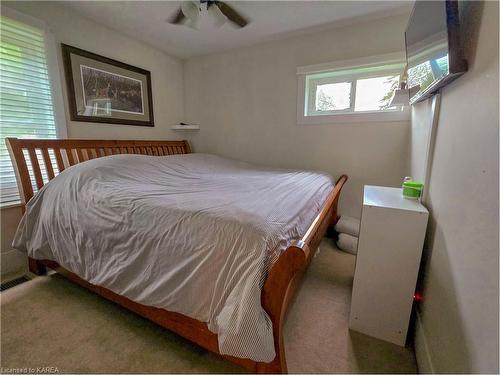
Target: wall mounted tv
<point>433,48</point>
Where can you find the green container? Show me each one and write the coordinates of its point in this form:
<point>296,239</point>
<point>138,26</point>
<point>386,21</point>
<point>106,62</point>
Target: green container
<point>412,189</point>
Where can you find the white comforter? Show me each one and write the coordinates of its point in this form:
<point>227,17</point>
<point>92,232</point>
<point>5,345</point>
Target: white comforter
<point>195,234</point>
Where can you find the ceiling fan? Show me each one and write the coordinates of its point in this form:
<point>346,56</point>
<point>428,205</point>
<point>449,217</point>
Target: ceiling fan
<point>190,11</point>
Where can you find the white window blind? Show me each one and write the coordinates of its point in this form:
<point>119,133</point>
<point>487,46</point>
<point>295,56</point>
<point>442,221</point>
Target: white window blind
<point>26,105</point>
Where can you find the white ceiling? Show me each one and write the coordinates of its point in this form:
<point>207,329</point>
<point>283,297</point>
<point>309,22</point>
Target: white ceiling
<point>146,21</point>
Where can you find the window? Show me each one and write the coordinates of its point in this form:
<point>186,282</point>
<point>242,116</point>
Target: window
<point>347,92</point>
<point>331,97</point>
<point>26,103</point>
<point>374,94</point>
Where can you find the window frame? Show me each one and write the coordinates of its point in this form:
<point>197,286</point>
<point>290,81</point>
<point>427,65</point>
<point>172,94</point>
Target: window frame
<point>309,77</point>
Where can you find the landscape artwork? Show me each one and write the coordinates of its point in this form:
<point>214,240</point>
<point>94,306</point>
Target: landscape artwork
<point>104,90</point>
<point>120,93</point>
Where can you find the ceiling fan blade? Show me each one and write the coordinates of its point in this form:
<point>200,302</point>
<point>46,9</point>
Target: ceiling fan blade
<point>231,14</point>
<point>178,17</point>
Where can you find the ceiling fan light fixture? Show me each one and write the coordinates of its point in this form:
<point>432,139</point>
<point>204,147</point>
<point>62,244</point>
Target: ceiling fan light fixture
<point>191,10</point>
<point>218,17</point>
<point>191,24</point>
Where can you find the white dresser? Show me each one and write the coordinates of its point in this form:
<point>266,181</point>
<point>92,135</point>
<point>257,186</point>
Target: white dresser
<point>390,246</point>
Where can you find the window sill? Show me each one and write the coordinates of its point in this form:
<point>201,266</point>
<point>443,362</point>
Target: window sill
<point>10,205</point>
<point>361,117</point>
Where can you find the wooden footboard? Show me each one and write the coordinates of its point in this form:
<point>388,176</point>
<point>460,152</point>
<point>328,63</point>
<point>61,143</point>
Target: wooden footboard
<point>279,286</point>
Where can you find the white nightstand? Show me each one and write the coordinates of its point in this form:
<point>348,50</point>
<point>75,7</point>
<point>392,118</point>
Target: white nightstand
<point>390,246</point>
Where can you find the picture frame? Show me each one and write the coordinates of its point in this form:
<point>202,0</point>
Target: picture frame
<point>103,90</point>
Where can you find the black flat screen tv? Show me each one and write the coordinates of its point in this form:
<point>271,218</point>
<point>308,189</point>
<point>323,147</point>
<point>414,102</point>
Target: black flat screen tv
<point>433,48</point>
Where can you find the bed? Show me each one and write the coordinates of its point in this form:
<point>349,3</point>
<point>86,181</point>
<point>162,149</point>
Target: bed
<point>209,248</point>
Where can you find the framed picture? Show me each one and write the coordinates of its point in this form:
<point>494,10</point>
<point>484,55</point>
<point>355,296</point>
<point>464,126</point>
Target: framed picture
<point>105,90</point>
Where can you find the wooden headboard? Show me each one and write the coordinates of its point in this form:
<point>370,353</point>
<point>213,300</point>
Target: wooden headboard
<point>37,161</point>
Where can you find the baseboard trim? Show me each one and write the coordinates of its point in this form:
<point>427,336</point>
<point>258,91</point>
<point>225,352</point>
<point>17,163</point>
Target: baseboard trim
<point>13,262</point>
<point>422,354</point>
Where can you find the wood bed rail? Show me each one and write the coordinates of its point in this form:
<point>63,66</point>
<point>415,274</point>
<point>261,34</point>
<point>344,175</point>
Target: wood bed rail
<point>37,161</point>
<point>332,204</point>
<point>284,276</point>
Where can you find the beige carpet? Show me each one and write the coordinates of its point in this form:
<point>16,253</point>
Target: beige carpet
<point>52,322</point>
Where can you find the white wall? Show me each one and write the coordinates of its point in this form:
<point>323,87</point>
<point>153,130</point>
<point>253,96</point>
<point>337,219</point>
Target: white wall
<point>166,72</point>
<point>458,318</point>
<point>12,261</point>
<point>245,102</point>
<point>167,88</point>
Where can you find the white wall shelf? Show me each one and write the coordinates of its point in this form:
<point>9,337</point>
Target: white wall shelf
<point>185,127</point>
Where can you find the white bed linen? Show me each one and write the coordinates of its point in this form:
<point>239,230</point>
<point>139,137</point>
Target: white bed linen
<point>195,234</point>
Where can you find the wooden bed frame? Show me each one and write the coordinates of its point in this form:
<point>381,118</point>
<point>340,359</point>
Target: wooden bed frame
<point>279,287</point>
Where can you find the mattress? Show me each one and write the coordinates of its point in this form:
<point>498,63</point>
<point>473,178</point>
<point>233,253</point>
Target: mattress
<point>194,234</point>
